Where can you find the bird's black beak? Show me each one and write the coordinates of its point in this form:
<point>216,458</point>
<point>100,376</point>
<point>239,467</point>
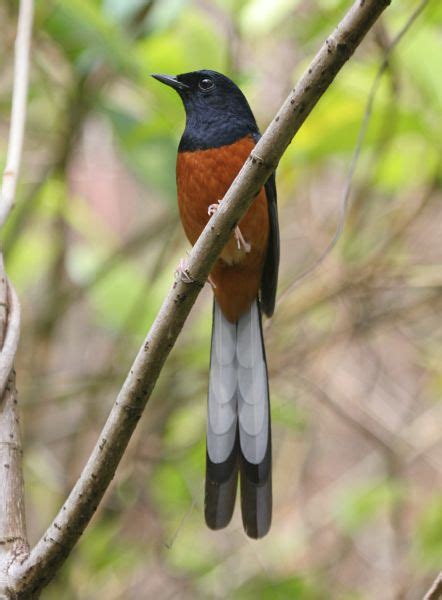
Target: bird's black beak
<point>171,81</point>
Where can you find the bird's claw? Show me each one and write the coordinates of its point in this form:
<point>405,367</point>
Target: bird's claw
<point>182,273</point>
<point>240,241</point>
<point>212,208</point>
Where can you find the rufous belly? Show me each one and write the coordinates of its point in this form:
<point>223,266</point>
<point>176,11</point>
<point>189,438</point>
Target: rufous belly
<point>203,178</point>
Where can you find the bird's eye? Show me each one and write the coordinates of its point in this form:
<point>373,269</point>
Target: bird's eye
<point>206,84</point>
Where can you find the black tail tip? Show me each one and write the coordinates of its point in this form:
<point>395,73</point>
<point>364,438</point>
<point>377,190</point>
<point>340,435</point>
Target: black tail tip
<point>256,505</point>
<point>219,501</point>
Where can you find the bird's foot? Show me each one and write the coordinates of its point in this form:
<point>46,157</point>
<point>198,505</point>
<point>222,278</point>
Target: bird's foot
<point>241,242</point>
<point>212,208</point>
<point>182,274</point>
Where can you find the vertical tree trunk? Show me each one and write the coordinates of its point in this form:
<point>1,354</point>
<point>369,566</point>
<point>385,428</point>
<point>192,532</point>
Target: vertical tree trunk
<point>13,541</point>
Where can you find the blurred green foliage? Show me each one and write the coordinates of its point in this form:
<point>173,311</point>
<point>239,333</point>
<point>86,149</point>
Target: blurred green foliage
<point>353,350</point>
<point>428,533</point>
<point>359,506</point>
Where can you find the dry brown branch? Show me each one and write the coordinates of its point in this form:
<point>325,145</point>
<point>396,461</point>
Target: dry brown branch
<point>50,552</point>
<point>435,592</point>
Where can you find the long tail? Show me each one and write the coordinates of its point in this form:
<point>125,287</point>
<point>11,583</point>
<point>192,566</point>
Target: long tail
<point>238,428</point>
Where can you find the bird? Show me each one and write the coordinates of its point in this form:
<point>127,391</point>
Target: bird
<point>219,134</point>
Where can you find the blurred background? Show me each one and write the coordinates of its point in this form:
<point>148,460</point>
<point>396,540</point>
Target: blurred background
<point>354,350</point>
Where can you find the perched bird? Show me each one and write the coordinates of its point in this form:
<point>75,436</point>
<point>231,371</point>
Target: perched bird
<point>220,133</point>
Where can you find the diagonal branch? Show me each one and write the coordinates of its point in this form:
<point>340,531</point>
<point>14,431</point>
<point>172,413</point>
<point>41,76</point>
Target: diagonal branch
<point>51,551</point>
<point>435,592</point>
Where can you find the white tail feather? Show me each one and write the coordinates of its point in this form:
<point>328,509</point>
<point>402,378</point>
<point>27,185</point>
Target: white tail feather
<point>253,401</point>
<point>237,387</point>
<point>222,401</point>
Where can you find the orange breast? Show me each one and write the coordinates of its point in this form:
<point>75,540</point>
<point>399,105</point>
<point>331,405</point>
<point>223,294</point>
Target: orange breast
<point>203,178</point>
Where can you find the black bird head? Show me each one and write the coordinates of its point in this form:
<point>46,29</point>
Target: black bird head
<point>217,112</point>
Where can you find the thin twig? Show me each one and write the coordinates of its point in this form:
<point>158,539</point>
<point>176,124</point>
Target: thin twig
<point>18,113</point>
<point>10,343</point>
<point>345,202</point>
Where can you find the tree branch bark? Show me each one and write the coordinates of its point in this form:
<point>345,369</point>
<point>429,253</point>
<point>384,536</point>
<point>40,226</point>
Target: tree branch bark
<point>13,539</point>
<point>435,592</point>
<point>48,555</point>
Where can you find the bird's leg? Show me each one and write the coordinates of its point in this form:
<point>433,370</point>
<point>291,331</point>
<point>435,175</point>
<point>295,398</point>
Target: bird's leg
<point>241,242</point>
